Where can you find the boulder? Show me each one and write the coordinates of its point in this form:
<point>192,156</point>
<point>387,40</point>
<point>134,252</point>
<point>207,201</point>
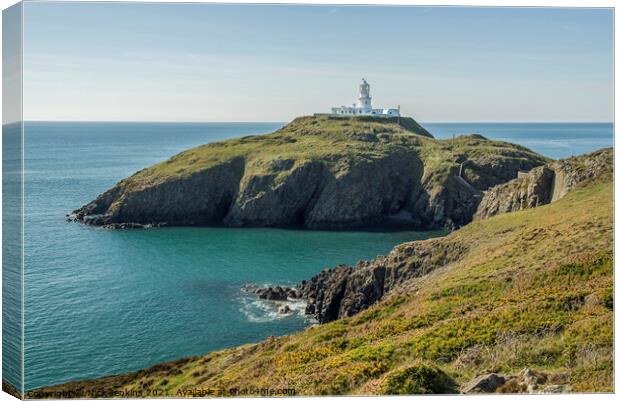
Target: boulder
<point>272,293</point>
<point>487,383</point>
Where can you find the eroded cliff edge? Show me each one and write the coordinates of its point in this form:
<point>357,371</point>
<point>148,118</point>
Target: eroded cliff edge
<point>529,289</point>
<point>545,184</point>
<point>318,173</point>
<point>346,290</point>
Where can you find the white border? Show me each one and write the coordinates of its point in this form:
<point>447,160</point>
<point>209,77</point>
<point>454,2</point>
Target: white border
<point>480,3</point>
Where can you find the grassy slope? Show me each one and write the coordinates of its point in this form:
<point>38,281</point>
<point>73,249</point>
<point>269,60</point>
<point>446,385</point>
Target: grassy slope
<point>329,140</point>
<point>535,290</point>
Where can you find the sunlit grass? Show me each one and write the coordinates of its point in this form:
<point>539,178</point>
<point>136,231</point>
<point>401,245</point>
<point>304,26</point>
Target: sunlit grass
<point>533,289</point>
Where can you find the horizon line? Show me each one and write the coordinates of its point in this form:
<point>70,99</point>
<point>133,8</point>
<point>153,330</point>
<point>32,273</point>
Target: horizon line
<point>285,122</point>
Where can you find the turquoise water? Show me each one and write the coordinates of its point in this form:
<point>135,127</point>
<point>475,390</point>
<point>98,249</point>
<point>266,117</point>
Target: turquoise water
<point>11,253</point>
<point>101,302</point>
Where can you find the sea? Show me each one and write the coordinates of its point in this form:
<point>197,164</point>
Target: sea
<point>101,302</point>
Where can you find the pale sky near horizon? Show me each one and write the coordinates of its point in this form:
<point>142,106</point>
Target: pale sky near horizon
<point>207,62</point>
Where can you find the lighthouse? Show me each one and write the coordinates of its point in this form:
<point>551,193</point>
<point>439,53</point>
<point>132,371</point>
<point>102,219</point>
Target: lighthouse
<point>364,99</point>
<point>363,107</point>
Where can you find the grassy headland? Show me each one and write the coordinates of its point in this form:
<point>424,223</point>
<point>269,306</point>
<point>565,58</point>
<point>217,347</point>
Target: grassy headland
<point>533,288</point>
<point>317,172</point>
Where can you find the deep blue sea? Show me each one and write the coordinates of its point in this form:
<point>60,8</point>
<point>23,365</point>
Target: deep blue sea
<point>102,302</point>
<point>555,140</point>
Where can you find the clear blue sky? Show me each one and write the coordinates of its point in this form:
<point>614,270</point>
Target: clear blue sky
<point>199,62</point>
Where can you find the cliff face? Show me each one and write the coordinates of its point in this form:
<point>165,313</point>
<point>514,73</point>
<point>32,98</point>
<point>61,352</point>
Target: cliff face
<point>533,289</point>
<point>320,173</point>
<point>545,184</point>
<point>347,290</point>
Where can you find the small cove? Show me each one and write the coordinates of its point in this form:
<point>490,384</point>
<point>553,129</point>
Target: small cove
<point>130,299</point>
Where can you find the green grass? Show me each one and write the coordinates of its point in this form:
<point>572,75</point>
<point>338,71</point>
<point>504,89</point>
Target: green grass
<point>534,289</point>
<point>419,379</point>
<point>338,142</point>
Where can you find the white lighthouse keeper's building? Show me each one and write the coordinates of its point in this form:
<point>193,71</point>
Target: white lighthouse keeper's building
<point>363,107</point>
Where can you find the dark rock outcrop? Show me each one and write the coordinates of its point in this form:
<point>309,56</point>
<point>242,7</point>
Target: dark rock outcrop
<point>272,293</point>
<point>199,199</point>
<point>317,173</point>
<point>277,293</point>
<point>544,184</point>
<point>528,191</point>
<point>285,310</point>
<point>488,383</point>
<point>347,290</point>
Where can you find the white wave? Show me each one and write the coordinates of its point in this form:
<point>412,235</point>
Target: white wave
<point>261,310</point>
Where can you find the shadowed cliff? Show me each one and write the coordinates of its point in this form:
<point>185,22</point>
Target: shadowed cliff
<point>346,290</point>
<point>517,302</point>
<point>318,173</point>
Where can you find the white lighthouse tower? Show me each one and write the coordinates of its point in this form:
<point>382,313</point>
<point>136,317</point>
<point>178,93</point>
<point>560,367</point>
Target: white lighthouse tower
<point>363,107</point>
<point>364,99</point>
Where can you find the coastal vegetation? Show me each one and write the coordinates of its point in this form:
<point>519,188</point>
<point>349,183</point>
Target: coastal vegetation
<point>516,302</point>
<point>317,172</point>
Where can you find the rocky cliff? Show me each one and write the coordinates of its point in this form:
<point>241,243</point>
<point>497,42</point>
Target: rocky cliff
<point>319,173</point>
<point>545,184</point>
<point>346,290</point>
<point>533,290</point>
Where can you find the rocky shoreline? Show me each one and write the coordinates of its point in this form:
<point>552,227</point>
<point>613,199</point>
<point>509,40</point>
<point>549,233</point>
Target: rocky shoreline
<point>316,173</point>
<point>281,296</point>
<point>346,290</point>
<point>73,217</point>
<point>457,314</point>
